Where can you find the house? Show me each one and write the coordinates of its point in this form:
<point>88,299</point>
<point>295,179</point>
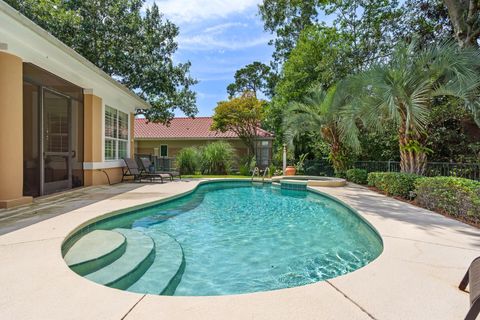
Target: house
<point>64,123</point>
<point>165,141</point>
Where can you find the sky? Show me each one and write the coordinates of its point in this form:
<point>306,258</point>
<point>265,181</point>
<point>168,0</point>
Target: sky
<point>217,37</point>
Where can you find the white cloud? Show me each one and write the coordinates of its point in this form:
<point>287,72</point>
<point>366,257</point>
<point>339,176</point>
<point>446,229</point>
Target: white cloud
<point>203,95</point>
<point>220,28</point>
<point>181,11</point>
<point>207,42</point>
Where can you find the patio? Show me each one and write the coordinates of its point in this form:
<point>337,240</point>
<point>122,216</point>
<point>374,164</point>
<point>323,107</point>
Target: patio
<point>416,277</point>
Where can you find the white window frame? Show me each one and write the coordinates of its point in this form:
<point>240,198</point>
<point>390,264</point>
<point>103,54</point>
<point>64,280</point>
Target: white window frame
<point>116,140</point>
<point>160,150</point>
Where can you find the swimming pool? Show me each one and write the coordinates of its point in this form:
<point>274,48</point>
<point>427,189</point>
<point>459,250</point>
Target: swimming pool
<point>228,238</point>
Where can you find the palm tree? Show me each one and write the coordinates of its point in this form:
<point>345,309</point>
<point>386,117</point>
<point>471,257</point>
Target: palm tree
<point>329,114</point>
<point>403,88</point>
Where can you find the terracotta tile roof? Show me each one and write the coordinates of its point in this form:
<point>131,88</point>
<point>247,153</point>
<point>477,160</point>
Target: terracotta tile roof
<point>185,128</point>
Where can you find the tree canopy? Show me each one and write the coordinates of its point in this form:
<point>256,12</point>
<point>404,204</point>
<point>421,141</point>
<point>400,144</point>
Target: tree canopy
<point>134,48</point>
<point>254,77</point>
<point>362,36</point>
<point>321,111</point>
<point>369,24</point>
<point>404,88</point>
<point>465,17</point>
<point>241,115</point>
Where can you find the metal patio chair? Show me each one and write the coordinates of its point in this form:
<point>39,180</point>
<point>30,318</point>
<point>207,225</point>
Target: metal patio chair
<point>145,163</point>
<point>132,170</point>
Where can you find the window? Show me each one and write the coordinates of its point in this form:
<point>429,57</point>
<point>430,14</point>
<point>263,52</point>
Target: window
<point>116,134</point>
<point>163,150</point>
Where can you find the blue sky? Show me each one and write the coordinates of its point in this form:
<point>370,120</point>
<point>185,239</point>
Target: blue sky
<point>217,37</point>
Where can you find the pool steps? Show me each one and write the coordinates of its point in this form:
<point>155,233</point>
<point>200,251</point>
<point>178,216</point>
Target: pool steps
<point>166,268</point>
<point>95,250</point>
<point>127,269</point>
<point>129,259</point>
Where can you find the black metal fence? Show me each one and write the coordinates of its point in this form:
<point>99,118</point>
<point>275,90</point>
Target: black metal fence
<point>161,163</point>
<point>319,167</point>
<point>323,167</point>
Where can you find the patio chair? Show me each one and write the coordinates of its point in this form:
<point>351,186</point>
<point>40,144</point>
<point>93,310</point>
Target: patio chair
<point>146,164</point>
<point>132,170</point>
<point>473,277</point>
<point>145,168</point>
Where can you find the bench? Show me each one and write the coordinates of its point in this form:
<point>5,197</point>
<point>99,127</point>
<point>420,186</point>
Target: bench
<point>472,278</point>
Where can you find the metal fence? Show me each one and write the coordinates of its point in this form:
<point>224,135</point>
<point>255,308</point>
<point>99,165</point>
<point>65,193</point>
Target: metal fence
<point>318,167</point>
<point>161,163</point>
<point>323,167</point>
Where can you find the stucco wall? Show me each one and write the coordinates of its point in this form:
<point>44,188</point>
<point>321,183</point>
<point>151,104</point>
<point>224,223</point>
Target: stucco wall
<point>11,131</point>
<point>174,146</point>
<point>99,176</point>
<point>92,128</point>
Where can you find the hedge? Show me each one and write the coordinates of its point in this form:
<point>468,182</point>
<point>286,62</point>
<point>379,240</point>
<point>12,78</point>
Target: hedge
<point>455,196</point>
<point>393,183</point>
<point>357,176</point>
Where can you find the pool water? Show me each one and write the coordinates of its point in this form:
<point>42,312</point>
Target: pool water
<point>239,238</point>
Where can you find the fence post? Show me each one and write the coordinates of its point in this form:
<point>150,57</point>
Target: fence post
<point>389,166</point>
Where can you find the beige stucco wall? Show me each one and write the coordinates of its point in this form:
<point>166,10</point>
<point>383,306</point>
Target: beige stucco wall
<point>132,135</point>
<point>174,146</point>
<point>11,131</point>
<point>99,176</point>
<point>93,118</point>
<point>92,128</point>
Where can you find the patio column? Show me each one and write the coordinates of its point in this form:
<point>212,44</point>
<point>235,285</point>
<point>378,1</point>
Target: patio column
<point>93,139</point>
<point>11,131</point>
<point>132,135</point>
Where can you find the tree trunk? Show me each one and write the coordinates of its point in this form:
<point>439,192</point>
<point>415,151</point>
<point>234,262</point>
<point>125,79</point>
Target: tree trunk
<point>464,15</point>
<point>411,160</point>
<point>330,134</point>
<point>337,157</point>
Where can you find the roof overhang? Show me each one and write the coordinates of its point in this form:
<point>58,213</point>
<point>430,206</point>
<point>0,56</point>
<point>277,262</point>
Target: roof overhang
<point>23,38</point>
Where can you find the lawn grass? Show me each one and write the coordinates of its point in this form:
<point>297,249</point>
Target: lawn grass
<point>229,176</point>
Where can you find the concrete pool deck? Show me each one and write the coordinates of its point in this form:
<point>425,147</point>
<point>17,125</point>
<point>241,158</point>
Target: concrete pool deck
<point>416,277</point>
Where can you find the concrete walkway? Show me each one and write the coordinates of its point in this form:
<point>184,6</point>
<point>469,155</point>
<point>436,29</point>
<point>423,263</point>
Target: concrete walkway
<point>51,206</point>
<point>416,277</point>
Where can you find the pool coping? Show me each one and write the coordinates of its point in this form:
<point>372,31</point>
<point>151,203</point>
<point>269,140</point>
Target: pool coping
<point>37,284</point>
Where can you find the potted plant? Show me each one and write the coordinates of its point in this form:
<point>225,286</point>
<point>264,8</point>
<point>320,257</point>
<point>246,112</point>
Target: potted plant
<point>290,171</point>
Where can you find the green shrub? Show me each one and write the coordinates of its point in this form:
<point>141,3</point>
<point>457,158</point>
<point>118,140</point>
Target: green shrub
<point>247,165</point>
<point>341,174</point>
<point>244,170</point>
<point>373,178</point>
<point>271,170</point>
<point>393,183</point>
<point>188,160</point>
<point>455,196</point>
<point>357,176</point>
<point>217,158</point>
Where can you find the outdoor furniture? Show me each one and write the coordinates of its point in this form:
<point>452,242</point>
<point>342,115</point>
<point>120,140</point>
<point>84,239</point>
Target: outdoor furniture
<point>473,277</point>
<point>145,163</point>
<point>132,170</point>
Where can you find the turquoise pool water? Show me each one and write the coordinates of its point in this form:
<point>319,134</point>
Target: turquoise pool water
<point>240,238</point>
